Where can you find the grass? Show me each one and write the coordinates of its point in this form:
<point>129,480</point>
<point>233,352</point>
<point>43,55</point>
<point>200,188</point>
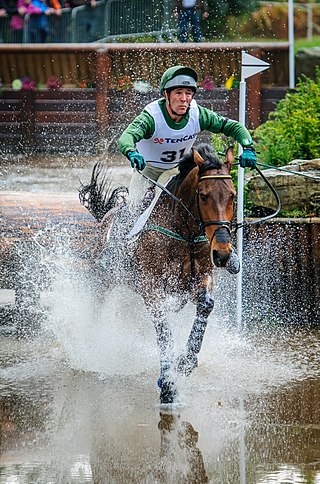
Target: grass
<point>304,43</point>
<point>298,43</point>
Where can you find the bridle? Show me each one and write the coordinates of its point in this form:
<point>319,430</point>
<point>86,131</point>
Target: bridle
<point>222,224</point>
<point>245,223</point>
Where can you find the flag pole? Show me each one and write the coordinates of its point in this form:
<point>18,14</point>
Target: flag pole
<point>291,44</point>
<point>249,67</point>
<point>240,199</point>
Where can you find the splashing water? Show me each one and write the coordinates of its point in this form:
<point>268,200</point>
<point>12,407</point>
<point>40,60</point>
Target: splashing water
<point>111,333</point>
<point>95,384</point>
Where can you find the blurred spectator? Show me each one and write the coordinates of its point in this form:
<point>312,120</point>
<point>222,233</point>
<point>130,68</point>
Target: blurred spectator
<point>16,23</point>
<point>89,21</point>
<point>86,3</point>
<point>189,13</point>
<point>56,24</point>
<point>38,26</point>
<point>56,5</point>
<point>7,9</point>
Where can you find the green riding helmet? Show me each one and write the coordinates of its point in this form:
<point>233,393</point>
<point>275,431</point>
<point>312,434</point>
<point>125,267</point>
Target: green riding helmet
<point>178,76</point>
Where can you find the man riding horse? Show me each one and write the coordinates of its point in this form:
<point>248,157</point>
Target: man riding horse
<point>189,227</point>
<point>167,129</point>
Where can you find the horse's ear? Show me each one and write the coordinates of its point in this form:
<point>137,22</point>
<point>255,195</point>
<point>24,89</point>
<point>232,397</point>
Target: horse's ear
<point>229,157</point>
<point>197,158</point>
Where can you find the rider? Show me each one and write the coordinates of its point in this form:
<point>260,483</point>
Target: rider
<point>167,128</point>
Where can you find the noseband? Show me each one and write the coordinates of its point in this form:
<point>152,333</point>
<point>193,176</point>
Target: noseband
<point>222,224</point>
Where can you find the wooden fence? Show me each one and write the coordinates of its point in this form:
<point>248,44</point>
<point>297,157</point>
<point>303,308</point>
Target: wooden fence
<point>68,120</point>
<point>72,118</point>
<point>282,272</point>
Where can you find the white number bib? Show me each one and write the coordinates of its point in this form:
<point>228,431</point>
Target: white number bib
<point>166,146</point>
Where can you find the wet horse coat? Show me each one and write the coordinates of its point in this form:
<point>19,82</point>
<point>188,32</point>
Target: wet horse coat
<point>185,235</point>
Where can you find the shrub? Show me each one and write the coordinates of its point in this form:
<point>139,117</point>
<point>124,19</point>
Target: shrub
<point>272,21</point>
<point>292,130</point>
<point>221,11</point>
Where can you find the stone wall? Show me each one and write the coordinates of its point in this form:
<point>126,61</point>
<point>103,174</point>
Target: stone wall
<point>296,192</point>
<point>307,60</point>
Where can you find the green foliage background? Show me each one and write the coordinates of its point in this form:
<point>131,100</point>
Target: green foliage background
<point>220,10</point>
<point>292,130</point>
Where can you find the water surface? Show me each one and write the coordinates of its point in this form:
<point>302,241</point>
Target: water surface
<point>79,401</point>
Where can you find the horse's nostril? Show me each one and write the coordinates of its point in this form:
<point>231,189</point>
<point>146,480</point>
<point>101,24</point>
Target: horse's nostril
<point>215,258</point>
<point>218,259</point>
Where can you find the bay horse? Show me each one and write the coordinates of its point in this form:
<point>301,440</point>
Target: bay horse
<point>187,232</point>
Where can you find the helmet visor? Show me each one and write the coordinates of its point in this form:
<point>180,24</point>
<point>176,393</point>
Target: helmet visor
<point>181,81</point>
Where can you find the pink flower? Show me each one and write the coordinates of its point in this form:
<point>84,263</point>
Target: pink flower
<point>28,83</point>
<point>208,84</point>
<point>54,83</point>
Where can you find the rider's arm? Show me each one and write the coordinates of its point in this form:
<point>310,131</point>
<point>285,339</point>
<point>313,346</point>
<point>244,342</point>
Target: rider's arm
<point>142,127</point>
<point>214,122</point>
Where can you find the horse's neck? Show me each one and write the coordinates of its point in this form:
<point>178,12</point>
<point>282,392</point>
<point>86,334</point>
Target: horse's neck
<point>175,215</point>
<point>187,190</point>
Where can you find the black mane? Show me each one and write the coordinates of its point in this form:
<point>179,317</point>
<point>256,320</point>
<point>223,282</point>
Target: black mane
<point>207,152</point>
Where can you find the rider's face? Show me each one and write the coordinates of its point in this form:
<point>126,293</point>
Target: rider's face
<point>180,100</point>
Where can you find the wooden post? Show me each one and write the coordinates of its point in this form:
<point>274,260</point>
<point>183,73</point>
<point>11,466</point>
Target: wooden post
<point>103,78</point>
<point>254,101</point>
<point>233,103</point>
<point>254,97</point>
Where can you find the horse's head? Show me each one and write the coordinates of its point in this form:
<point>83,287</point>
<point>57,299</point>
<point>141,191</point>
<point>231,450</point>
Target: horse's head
<point>215,196</point>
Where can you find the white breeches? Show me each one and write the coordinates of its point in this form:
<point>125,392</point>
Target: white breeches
<point>139,185</point>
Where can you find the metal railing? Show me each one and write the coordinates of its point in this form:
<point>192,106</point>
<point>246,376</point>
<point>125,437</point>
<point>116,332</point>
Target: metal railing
<point>113,20</point>
<point>109,21</point>
<point>54,28</point>
<point>135,18</point>
<point>38,29</point>
<point>7,34</point>
<point>88,23</point>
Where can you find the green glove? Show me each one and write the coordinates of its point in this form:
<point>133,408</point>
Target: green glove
<point>136,160</point>
<point>248,159</point>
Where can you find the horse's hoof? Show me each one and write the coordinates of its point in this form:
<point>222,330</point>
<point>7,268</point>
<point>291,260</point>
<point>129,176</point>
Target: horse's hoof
<point>168,392</point>
<point>233,264</point>
<point>186,364</point>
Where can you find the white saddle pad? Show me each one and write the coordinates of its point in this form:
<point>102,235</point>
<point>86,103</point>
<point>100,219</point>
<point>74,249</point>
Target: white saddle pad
<point>142,220</point>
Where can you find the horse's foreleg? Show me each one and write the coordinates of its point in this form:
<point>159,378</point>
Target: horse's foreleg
<point>165,344</point>
<point>164,340</point>
<point>189,361</point>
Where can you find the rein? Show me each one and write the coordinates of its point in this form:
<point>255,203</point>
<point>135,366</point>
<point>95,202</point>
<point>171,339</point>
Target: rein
<point>221,224</point>
<point>171,195</point>
<point>202,237</point>
<point>268,217</point>
<point>157,228</point>
<point>202,224</point>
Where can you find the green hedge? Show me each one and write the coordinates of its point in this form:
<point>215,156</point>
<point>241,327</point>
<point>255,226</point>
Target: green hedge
<point>292,130</point>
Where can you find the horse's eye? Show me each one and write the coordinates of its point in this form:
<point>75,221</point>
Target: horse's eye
<point>203,197</point>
